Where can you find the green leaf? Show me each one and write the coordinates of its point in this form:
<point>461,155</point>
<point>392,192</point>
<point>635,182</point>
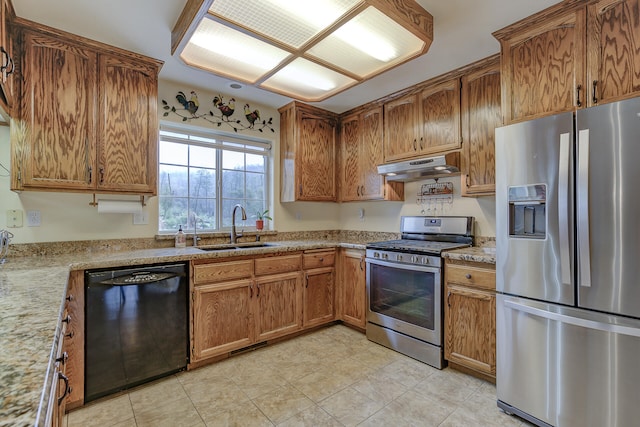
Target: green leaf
<point>184,119</point>
<point>166,114</point>
<point>164,102</point>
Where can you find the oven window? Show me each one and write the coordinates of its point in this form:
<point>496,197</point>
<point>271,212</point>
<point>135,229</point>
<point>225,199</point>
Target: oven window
<point>405,295</point>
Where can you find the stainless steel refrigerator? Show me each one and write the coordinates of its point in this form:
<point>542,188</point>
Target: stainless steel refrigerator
<point>568,267</point>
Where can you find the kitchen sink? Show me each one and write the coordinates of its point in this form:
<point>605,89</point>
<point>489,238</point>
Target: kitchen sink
<point>234,246</point>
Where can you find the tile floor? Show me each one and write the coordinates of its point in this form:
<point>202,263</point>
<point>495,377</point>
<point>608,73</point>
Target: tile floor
<point>331,377</point>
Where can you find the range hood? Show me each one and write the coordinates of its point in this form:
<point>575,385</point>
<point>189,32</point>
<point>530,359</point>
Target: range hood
<point>439,166</point>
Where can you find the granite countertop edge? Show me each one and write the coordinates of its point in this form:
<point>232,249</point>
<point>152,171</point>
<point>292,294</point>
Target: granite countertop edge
<point>485,255</point>
<point>32,295</point>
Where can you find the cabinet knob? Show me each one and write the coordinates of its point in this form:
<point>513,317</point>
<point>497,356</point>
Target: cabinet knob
<point>321,259</point>
<point>468,276</point>
<point>69,298</point>
<point>67,319</point>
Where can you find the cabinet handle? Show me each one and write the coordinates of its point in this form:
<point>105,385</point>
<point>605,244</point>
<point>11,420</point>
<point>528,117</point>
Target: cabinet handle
<point>67,319</point>
<point>90,174</point>
<point>6,61</point>
<point>70,297</point>
<point>300,189</point>
<point>101,175</point>
<point>63,358</point>
<point>67,389</point>
<point>358,191</point>
<point>415,144</point>
<point>421,141</point>
<point>70,335</point>
<point>448,296</point>
<point>257,291</point>
<point>468,276</point>
<point>595,87</point>
<point>578,102</point>
<point>362,191</point>
<point>306,279</point>
<point>250,291</point>
<point>361,261</point>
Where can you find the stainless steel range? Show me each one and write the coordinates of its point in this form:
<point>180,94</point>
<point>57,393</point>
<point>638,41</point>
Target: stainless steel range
<point>404,285</point>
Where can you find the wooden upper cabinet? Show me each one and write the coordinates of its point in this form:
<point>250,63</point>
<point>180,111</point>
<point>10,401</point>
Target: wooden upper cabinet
<point>481,114</point>
<point>55,134</point>
<point>128,127</point>
<point>423,123</point>
<point>361,145</point>
<point>613,50</point>
<point>88,116</point>
<point>400,129</point>
<point>308,152</point>
<point>7,60</point>
<point>439,118</point>
<point>543,68</point>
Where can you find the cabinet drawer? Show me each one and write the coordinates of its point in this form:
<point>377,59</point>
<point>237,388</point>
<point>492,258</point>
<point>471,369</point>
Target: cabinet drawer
<point>470,276</point>
<point>216,272</point>
<point>318,259</point>
<point>278,264</point>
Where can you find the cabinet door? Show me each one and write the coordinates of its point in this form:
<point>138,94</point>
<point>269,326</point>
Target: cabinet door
<point>128,126</point>
<point>353,298</point>
<point>481,114</point>
<point>440,118</point>
<point>315,168</point>
<point>470,329</point>
<point>279,300</point>
<point>319,296</point>
<point>543,67</point>
<point>350,144</point>
<point>613,50</point>
<point>6,57</point>
<point>400,132</point>
<point>372,155</point>
<point>58,103</point>
<point>222,318</point>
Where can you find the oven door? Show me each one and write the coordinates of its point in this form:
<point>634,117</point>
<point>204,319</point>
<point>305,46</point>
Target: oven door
<point>405,298</point>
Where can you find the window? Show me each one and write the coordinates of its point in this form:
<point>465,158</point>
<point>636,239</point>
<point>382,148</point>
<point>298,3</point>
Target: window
<point>204,174</point>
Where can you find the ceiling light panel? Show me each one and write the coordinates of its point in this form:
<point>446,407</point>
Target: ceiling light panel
<point>292,22</point>
<point>229,52</point>
<point>367,44</point>
<point>307,79</point>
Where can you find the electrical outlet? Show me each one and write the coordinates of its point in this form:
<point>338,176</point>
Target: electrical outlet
<point>14,218</point>
<point>298,216</point>
<point>33,219</point>
<point>141,218</point>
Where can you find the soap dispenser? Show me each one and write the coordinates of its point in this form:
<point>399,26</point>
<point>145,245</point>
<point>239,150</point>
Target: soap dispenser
<point>181,238</point>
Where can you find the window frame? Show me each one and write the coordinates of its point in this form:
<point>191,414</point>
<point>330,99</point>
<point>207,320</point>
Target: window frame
<point>219,141</point>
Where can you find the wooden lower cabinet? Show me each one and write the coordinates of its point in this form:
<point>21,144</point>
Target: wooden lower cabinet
<point>279,300</point>
<point>318,305</point>
<point>352,289</point>
<point>470,317</point>
<point>222,318</point>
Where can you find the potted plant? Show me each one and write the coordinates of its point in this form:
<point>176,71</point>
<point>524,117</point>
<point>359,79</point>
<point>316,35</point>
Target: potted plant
<point>260,217</point>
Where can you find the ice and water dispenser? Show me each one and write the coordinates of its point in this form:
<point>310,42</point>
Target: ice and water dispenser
<point>527,212</point>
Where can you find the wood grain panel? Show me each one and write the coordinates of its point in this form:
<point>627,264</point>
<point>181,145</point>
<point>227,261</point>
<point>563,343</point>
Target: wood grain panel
<point>372,155</point>
<point>481,114</point>
<point>613,50</point>
<point>350,172</point>
<point>318,297</point>
<point>471,276</point>
<point>287,154</point>
<point>440,118</point>
<point>127,148</point>
<point>221,271</point>
<point>74,339</point>
<point>278,264</point>
<point>278,299</point>
<point>318,259</point>
<point>58,105</point>
<point>353,286</point>
<point>470,336</point>
<point>317,157</point>
<point>400,130</point>
<point>224,318</point>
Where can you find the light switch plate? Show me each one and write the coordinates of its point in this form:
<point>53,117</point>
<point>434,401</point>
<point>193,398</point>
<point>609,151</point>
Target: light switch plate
<point>141,218</point>
<point>14,218</point>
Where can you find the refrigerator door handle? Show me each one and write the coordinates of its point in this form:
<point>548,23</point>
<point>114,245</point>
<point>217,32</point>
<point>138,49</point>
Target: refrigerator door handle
<point>573,320</point>
<point>584,249</point>
<point>563,208</point>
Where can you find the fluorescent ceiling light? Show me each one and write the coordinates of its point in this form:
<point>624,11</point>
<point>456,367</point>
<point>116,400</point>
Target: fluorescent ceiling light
<point>307,50</point>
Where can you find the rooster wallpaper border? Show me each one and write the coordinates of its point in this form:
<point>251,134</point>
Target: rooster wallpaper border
<point>225,115</point>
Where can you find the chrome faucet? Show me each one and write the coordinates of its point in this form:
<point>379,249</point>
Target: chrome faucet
<point>234,235</point>
<point>195,231</point>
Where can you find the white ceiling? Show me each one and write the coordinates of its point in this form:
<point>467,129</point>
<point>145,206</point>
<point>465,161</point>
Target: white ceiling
<point>462,34</point>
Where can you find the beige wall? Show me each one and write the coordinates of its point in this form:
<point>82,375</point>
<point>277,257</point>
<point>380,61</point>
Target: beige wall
<point>70,217</point>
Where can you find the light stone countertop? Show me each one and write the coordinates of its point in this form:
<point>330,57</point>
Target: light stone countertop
<point>32,291</point>
<point>474,253</point>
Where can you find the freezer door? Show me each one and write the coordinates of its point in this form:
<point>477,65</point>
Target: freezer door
<point>608,213</point>
<point>534,209</point>
<point>565,366</point>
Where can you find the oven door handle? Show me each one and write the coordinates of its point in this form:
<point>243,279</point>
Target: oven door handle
<point>401,266</point>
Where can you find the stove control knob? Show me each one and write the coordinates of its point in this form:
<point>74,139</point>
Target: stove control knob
<point>376,254</point>
<point>415,259</point>
<point>425,260</point>
<point>385,256</point>
<point>399,258</point>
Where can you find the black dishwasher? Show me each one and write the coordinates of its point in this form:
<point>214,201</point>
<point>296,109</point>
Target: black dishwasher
<point>136,326</point>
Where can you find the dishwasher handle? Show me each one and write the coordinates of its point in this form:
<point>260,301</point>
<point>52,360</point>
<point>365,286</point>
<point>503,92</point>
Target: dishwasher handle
<point>139,278</point>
